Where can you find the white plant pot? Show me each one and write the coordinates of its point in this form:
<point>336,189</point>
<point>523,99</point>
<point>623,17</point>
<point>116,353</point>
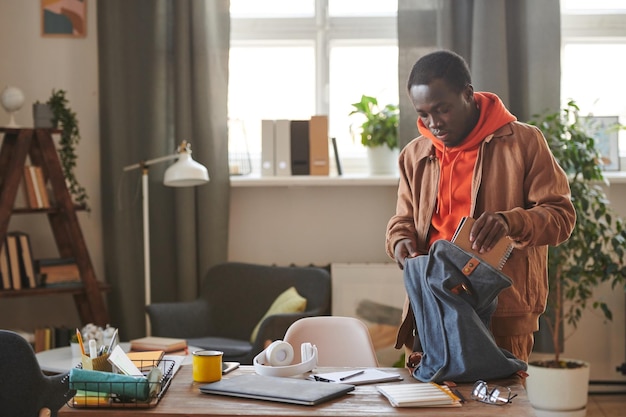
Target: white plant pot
<point>382,160</point>
<point>558,392</point>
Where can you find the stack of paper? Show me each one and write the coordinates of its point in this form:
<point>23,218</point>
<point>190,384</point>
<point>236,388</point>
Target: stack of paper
<point>352,377</point>
<point>419,395</point>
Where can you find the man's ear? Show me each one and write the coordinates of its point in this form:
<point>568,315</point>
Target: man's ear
<point>468,93</point>
<point>45,412</point>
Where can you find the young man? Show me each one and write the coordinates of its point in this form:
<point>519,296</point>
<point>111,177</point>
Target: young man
<point>474,158</point>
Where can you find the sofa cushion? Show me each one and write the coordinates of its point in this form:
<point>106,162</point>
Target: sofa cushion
<point>287,302</point>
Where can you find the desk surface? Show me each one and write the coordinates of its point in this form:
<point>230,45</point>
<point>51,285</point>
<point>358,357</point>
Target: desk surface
<point>184,399</point>
<point>60,360</point>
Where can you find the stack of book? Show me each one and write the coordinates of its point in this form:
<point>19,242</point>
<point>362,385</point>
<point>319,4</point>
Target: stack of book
<point>58,272</point>
<point>295,147</point>
<point>16,262</point>
<point>48,337</point>
<point>35,187</point>
<point>151,343</point>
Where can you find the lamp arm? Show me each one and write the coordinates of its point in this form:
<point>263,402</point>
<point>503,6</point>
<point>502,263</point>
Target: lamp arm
<point>150,162</point>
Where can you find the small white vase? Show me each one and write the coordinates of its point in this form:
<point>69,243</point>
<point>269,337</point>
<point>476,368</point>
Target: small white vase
<point>558,392</point>
<point>382,160</point>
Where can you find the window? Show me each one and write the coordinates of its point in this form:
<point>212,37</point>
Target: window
<point>594,57</point>
<point>295,59</point>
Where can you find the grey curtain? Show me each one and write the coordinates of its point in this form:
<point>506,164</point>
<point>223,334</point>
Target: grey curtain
<point>513,49</point>
<point>163,68</point>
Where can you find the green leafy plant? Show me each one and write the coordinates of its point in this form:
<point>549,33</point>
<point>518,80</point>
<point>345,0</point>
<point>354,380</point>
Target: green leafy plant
<point>594,254</point>
<point>381,124</point>
<point>64,118</point>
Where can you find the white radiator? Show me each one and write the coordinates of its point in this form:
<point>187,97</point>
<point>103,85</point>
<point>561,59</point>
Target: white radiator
<point>374,293</point>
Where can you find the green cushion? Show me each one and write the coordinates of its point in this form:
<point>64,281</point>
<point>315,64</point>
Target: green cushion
<point>287,302</point>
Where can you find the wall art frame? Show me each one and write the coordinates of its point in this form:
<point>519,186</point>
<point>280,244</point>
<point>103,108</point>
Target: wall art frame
<point>605,130</point>
<point>64,18</point>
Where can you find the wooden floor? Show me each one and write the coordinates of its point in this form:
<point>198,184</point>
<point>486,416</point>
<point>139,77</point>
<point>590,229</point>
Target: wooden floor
<point>612,405</point>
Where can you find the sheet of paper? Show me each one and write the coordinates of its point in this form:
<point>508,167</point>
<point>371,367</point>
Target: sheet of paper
<point>119,359</point>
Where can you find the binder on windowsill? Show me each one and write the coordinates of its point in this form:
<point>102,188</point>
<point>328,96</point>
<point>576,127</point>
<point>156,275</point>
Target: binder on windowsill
<point>496,257</point>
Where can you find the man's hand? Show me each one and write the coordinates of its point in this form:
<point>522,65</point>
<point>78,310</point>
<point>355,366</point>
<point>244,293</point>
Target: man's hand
<point>403,249</point>
<point>487,230</point>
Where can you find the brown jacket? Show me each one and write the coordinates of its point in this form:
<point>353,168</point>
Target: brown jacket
<point>515,175</point>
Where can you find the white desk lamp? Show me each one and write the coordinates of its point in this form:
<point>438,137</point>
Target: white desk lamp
<point>183,173</point>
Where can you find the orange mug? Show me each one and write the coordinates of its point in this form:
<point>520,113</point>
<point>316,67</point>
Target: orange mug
<point>207,365</point>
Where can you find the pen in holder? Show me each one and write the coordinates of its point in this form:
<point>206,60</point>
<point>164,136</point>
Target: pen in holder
<point>97,364</point>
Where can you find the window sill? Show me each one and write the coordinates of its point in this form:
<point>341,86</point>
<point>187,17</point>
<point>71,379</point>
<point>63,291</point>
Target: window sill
<point>352,180</point>
<point>615,177</point>
<point>314,181</point>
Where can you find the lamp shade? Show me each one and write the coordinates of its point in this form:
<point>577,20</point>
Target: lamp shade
<point>185,172</point>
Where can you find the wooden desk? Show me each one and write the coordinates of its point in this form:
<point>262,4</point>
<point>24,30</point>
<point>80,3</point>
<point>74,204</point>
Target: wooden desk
<point>184,399</point>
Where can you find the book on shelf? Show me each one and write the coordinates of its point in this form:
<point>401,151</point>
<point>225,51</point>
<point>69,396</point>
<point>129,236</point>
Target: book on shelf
<point>35,187</point>
<point>496,257</point>
<point>282,143</point>
<point>58,271</point>
<point>20,261</point>
<point>421,394</point>
<point>5,271</point>
<point>300,152</point>
<point>14,261</point>
<point>318,145</point>
<point>29,188</point>
<point>166,344</point>
<point>268,148</point>
<point>27,268</point>
<point>41,186</point>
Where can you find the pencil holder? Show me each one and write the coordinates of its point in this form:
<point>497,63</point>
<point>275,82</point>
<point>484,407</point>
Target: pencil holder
<point>98,364</point>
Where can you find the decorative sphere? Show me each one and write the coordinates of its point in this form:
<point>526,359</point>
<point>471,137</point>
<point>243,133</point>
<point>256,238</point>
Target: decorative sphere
<point>12,99</point>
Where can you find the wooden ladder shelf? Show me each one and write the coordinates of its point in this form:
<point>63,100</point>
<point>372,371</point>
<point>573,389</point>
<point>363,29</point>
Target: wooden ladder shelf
<point>39,146</point>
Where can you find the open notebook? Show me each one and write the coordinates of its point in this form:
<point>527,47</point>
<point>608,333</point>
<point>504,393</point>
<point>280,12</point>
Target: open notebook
<point>364,376</point>
<point>271,388</point>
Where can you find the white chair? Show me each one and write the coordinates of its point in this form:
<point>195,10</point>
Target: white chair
<point>340,341</point>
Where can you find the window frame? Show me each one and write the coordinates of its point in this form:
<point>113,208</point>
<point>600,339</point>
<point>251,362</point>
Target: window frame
<point>323,30</point>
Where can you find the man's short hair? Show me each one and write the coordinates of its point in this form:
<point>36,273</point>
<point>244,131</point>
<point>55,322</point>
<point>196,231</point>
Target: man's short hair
<point>446,65</point>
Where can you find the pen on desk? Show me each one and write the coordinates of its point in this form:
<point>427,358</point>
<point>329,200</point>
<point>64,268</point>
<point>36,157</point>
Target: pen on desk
<point>80,342</point>
<point>458,394</point>
<point>343,378</point>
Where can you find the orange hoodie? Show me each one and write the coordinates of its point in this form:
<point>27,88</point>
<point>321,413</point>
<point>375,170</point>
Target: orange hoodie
<point>457,165</point>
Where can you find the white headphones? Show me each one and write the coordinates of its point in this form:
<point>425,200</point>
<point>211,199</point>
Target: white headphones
<point>276,359</point>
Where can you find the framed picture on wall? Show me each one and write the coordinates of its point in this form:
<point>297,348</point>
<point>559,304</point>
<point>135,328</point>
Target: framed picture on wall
<point>64,18</point>
<point>604,129</point>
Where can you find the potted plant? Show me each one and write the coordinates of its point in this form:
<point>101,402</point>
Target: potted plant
<point>379,134</point>
<point>594,254</point>
<point>64,118</point>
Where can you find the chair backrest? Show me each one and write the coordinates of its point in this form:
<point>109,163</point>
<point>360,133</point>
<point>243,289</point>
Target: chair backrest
<point>239,294</point>
<point>340,341</point>
<point>24,389</point>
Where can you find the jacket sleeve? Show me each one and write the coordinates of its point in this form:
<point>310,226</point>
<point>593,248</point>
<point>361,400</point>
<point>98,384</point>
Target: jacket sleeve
<point>548,217</point>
